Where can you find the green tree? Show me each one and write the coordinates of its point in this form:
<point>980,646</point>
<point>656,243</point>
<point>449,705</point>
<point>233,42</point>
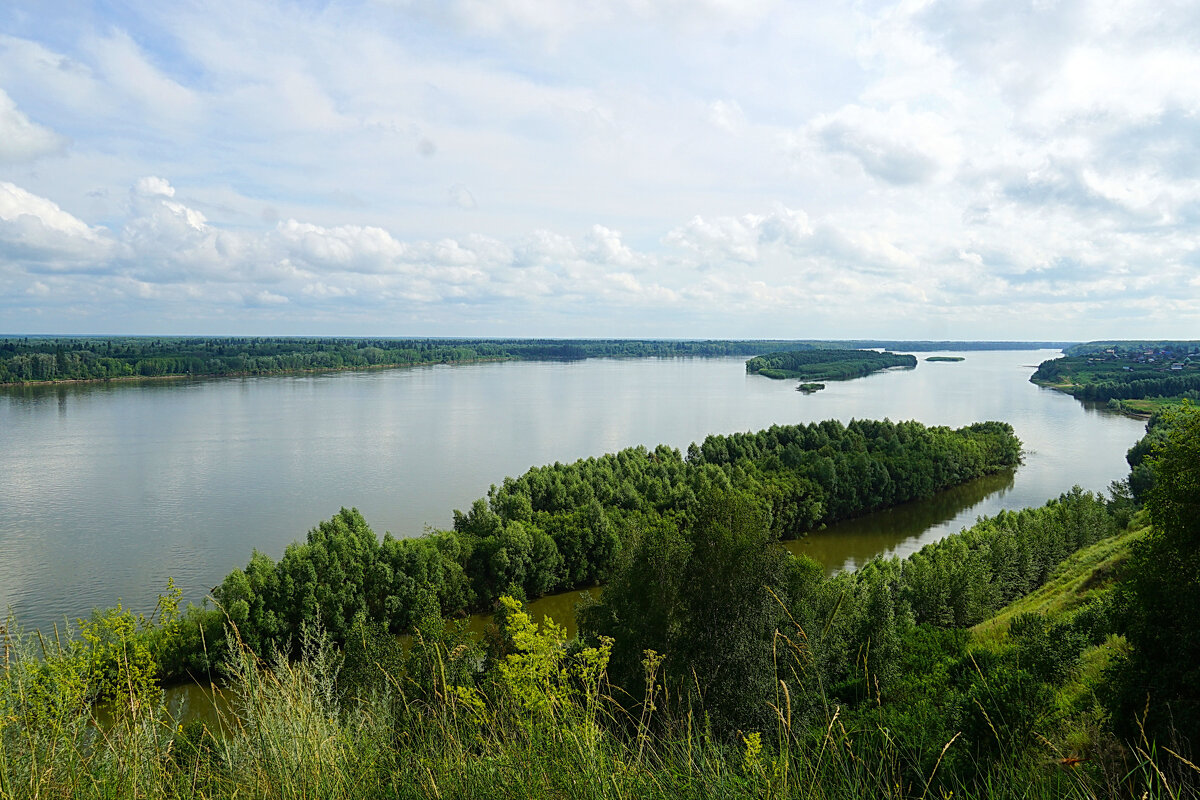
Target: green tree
<point>1159,600</point>
<point>709,597</point>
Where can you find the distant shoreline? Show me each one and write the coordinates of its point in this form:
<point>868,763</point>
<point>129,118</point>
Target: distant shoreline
<point>257,374</point>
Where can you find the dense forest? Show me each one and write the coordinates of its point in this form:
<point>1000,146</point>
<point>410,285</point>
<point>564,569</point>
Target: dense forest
<point>825,365</point>
<point>38,359</point>
<point>1042,653</point>
<point>566,525</point>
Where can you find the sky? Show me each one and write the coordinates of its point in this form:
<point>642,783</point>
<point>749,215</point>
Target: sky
<point>938,169</point>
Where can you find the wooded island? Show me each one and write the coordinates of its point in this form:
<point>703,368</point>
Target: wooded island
<point>826,365</point>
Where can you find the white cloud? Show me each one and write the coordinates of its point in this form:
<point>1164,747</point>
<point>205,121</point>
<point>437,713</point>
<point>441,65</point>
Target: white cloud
<point>125,67</point>
<point>726,115</point>
<point>351,248</point>
<point>739,238</point>
<point>894,145</point>
<point>265,298</point>
<point>559,18</point>
<point>530,163</point>
<point>22,140</point>
<point>152,186</point>
<point>36,230</point>
<point>604,246</point>
<point>461,197</point>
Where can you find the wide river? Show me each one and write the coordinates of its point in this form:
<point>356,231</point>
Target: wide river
<point>108,489</point>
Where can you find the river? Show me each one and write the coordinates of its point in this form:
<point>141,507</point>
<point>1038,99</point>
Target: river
<point>108,489</point>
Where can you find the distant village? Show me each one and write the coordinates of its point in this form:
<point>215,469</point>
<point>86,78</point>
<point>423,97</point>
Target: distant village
<point>1167,358</point>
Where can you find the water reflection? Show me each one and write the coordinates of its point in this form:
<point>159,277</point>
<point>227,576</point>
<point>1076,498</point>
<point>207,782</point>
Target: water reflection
<point>901,530</point>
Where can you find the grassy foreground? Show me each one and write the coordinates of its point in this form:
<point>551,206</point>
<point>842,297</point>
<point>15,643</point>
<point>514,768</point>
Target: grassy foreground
<point>541,729</point>
<point>380,721</point>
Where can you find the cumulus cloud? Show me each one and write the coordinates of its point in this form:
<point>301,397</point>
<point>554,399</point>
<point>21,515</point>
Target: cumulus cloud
<point>739,238</point>
<point>38,231</point>
<point>22,140</point>
<point>151,186</point>
<point>752,164</point>
<point>604,246</point>
<point>350,248</point>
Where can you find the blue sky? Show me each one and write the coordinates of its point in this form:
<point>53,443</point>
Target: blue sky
<point>683,168</point>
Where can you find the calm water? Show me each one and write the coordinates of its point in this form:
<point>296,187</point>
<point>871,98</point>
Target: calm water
<point>106,490</point>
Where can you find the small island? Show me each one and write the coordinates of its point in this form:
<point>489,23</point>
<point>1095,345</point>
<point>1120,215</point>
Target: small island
<point>826,364</point>
<point>946,358</point>
<point>809,388</point>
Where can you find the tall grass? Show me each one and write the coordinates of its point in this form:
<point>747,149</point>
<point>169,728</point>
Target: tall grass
<point>543,725</point>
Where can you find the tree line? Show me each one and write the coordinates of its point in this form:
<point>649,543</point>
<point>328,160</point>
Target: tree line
<point>1180,347</point>
<point>565,525</point>
<point>1166,386</point>
<point>34,359</point>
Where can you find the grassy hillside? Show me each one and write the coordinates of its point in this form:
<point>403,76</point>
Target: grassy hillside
<point>1085,577</point>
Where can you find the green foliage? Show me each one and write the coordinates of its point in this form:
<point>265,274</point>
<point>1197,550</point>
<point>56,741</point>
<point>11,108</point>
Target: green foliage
<point>37,359</point>
<point>707,596</point>
<point>1159,600</point>
<point>440,657</point>
<point>825,365</point>
<point>1047,650</point>
<point>1004,707</point>
<point>565,525</point>
<point>1131,347</point>
<point>121,669</point>
<point>544,677</point>
<point>961,580</point>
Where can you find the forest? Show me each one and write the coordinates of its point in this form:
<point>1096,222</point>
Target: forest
<point>1041,653</point>
<point>825,365</point>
